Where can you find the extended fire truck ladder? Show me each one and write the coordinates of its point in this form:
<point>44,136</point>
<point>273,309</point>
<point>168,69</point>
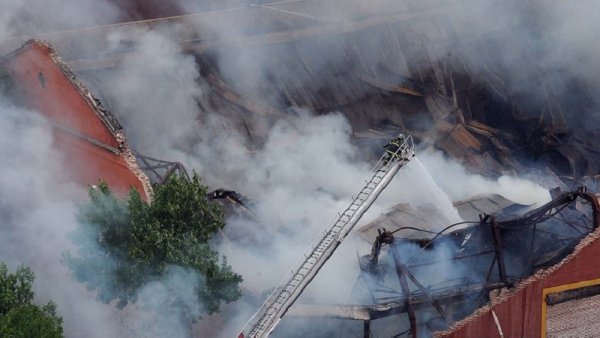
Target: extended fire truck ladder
<point>281,299</point>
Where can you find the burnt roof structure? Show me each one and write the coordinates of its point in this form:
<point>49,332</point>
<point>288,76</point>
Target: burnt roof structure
<point>420,75</point>
<point>432,283</point>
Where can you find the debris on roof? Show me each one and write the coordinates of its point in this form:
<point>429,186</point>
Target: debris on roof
<point>474,119</point>
<point>441,278</point>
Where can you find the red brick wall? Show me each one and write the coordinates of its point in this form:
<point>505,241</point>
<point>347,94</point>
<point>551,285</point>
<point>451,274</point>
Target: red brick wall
<point>88,163</point>
<point>61,102</point>
<point>521,314</point>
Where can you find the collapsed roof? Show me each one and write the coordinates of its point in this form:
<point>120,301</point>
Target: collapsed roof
<point>442,278</point>
<point>426,218</point>
<point>419,75</point>
<point>458,101</point>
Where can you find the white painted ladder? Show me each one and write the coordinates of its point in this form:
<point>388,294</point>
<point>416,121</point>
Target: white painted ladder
<point>281,299</point>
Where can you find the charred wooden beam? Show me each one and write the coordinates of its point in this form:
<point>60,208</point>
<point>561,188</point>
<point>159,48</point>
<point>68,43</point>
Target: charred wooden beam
<point>529,253</point>
<point>434,302</point>
<point>445,261</point>
<point>484,290</point>
<point>416,299</point>
<point>568,295</point>
<point>226,92</point>
<point>562,200</point>
<point>401,272</point>
<point>498,250</point>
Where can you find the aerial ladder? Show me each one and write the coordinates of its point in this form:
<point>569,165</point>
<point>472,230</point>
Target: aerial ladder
<point>398,152</point>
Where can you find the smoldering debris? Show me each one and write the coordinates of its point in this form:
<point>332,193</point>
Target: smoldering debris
<point>492,113</point>
<point>449,274</point>
<point>491,93</point>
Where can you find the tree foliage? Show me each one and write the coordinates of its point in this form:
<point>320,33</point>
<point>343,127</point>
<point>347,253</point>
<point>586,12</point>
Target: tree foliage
<point>19,318</point>
<point>139,241</point>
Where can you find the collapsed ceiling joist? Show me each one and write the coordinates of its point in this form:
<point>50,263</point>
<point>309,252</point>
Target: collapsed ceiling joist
<point>479,262</point>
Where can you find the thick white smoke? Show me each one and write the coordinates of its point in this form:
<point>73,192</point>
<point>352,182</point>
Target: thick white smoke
<point>24,17</point>
<point>37,214</point>
<point>454,179</point>
<point>157,83</point>
<point>37,222</point>
<point>299,179</point>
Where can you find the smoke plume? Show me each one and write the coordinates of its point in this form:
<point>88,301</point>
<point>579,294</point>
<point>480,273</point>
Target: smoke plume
<point>301,175</point>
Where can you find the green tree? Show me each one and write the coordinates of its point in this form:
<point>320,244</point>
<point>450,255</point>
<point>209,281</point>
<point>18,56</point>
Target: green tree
<point>18,316</point>
<point>138,242</point>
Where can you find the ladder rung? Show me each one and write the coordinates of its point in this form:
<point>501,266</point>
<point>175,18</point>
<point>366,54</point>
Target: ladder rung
<point>288,293</point>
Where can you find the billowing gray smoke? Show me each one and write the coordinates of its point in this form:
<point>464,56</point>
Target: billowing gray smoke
<point>37,222</point>
<point>37,214</point>
<point>24,17</point>
<point>301,176</point>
